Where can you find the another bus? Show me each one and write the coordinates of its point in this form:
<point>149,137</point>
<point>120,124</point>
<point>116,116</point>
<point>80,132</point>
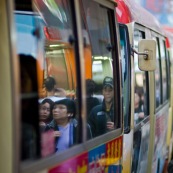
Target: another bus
<point>72,42</point>
<point>145,147</point>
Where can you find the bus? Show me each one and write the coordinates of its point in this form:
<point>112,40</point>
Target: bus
<point>71,42</point>
<point>169,45</point>
<point>81,48</point>
<point>145,148</point>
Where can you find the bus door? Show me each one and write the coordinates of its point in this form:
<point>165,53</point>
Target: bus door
<point>161,105</point>
<point>135,98</point>
<point>127,93</point>
<point>141,111</point>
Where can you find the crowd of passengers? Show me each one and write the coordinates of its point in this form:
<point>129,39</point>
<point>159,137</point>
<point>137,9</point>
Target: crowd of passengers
<point>57,113</point>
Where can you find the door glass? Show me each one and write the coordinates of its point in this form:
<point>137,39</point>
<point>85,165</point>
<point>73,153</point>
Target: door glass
<point>140,105</point>
<point>125,77</point>
<point>100,80</point>
<point>55,109</point>
<point>141,111</point>
<point>164,71</point>
<point>157,77</point>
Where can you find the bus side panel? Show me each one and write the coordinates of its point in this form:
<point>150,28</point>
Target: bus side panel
<point>160,149</point>
<point>103,158</point>
<point>144,148</point>
<point>127,151</point>
<point>169,134</point>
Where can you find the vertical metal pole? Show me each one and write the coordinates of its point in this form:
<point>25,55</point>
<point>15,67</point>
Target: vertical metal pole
<point>9,92</point>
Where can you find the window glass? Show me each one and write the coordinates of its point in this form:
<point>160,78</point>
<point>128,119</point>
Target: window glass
<point>140,108</point>
<point>55,75</point>
<point>141,102</point>
<point>100,80</point>
<point>27,52</point>
<point>125,76</point>
<point>164,71</point>
<point>157,77</point>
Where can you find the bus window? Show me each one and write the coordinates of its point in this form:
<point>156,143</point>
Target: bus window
<point>59,56</point>
<point>102,117</point>
<point>125,54</point>
<point>140,107</point>
<point>57,78</point>
<point>164,71</point>
<point>157,77</point>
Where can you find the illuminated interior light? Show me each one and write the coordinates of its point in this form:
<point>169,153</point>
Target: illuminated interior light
<point>55,45</point>
<point>97,62</point>
<point>102,58</point>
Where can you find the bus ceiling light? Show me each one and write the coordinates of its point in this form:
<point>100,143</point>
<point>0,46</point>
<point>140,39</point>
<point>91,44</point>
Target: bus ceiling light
<point>55,45</point>
<point>101,58</point>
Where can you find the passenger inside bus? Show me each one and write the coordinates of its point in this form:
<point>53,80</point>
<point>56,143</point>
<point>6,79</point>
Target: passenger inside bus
<point>101,118</point>
<point>49,85</point>
<point>64,124</point>
<point>52,92</point>
<point>91,100</point>
<point>139,113</point>
<point>60,92</point>
<point>45,113</point>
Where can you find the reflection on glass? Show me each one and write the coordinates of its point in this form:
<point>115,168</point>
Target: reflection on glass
<point>101,117</point>
<point>140,97</point>
<point>125,76</point>
<point>157,78</point>
<point>164,71</point>
<point>99,68</point>
<point>57,77</point>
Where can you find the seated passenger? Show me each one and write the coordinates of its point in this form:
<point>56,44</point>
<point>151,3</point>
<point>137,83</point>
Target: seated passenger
<point>101,118</point>
<point>45,113</point>
<point>64,124</point>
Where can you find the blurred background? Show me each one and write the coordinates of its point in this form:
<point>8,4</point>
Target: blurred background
<point>161,9</point>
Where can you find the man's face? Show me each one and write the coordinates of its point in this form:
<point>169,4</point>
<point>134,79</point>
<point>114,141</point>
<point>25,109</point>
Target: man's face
<point>108,94</point>
<point>60,112</point>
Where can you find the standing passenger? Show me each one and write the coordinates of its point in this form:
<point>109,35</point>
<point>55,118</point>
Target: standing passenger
<point>101,118</point>
<point>49,85</point>
<point>91,101</point>
<point>53,93</point>
<point>64,124</point>
<point>139,112</point>
<point>45,113</point>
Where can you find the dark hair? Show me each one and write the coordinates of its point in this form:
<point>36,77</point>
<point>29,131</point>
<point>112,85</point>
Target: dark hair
<point>170,167</point>
<point>108,81</point>
<point>69,103</point>
<point>29,108</point>
<point>51,103</point>
<point>49,83</point>
<point>90,87</point>
<point>47,100</point>
<point>29,65</point>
